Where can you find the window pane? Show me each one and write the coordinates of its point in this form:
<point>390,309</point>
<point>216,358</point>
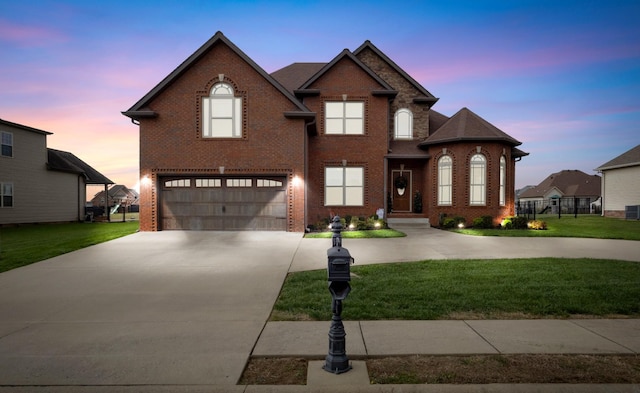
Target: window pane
<point>334,109</point>
<point>354,196</point>
<point>333,196</point>
<point>7,138</point>
<point>333,176</point>
<point>354,126</point>
<point>353,176</point>
<point>354,109</point>
<point>221,89</point>
<point>7,151</point>
<point>237,117</point>
<point>334,126</point>
<point>222,108</point>
<point>221,127</point>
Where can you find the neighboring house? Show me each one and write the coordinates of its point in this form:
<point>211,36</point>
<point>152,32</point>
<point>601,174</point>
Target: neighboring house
<point>117,195</point>
<point>564,188</point>
<point>38,184</point>
<point>225,145</point>
<point>621,184</point>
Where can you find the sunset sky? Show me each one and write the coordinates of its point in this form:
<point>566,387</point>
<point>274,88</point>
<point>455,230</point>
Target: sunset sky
<point>562,77</point>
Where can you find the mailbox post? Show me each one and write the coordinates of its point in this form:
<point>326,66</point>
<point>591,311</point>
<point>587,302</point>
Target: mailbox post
<point>339,275</point>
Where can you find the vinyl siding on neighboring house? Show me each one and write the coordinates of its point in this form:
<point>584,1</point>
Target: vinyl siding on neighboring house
<point>620,188</point>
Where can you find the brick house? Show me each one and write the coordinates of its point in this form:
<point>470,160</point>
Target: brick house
<point>224,145</point>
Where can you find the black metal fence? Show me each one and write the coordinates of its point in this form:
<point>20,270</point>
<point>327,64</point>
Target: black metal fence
<point>559,206</point>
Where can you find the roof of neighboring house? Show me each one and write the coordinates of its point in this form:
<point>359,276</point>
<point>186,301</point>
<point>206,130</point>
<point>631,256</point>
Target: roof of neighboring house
<point>466,125</point>
<point>140,109</point>
<point>67,162</point>
<point>626,159</point>
<point>23,127</point>
<point>571,183</point>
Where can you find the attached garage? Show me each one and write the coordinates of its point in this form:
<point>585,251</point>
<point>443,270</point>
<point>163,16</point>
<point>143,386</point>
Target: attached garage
<point>223,203</point>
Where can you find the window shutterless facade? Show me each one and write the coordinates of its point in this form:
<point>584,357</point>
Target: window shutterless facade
<point>344,117</point>
<point>403,121</point>
<point>6,144</point>
<point>6,194</point>
<point>477,175</point>
<point>445,183</point>
<point>344,186</point>
<point>222,113</point>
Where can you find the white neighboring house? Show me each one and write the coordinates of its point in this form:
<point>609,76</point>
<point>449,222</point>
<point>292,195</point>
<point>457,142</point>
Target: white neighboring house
<point>621,185</point>
<point>38,184</point>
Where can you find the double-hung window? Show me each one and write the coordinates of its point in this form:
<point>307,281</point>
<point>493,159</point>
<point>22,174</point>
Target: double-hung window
<point>344,186</point>
<point>6,141</point>
<point>445,183</point>
<point>6,194</point>
<point>344,117</point>
<point>222,113</point>
<point>477,175</point>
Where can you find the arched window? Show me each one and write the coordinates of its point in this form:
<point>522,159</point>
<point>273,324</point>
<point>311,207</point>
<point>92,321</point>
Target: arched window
<point>477,180</point>
<point>445,183</point>
<point>222,113</point>
<point>403,124</point>
<point>503,177</point>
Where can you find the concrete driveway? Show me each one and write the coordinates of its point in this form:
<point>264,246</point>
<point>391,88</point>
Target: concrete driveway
<point>166,308</point>
<point>182,311</point>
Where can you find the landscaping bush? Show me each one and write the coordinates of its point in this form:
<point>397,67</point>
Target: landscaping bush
<point>514,223</point>
<point>452,222</point>
<point>537,225</point>
<point>484,222</point>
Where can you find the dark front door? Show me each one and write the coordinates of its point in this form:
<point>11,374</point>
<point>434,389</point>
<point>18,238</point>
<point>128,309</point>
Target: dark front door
<point>401,196</point>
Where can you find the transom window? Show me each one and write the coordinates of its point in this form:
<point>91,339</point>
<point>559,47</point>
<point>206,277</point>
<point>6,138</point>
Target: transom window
<point>344,186</point>
<point>445,183</point>
<point>222,113</point>
<point>268,183</point>
<point>202,183</point>
<point>7,144</point>
<point>6,194</point>
<point>179,183</point>
<point>344,117</point>
<point>403,124</point>
<point>477,175</point>
<point>239,183</point>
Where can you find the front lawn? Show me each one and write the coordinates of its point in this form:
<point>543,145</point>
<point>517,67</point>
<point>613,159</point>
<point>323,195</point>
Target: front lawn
<point>590,226</point>
<point>465,289</point>
<point>370,234</point>
<point>23,245</point>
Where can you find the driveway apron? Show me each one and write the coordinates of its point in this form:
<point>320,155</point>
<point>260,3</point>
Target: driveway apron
<point>163,308</point>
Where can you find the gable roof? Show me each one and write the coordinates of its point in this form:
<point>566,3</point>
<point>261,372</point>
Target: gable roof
<point>428,97</point>
<point>63,161</point>
<point>23,127</point>
<point>571,183</point>
<point>626,159</point>
<point>139,109</point>
<point>346,54</point>
<point>467,126</point>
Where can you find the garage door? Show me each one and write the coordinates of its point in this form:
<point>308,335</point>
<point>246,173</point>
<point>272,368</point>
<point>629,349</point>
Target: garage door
<point>232,204</point>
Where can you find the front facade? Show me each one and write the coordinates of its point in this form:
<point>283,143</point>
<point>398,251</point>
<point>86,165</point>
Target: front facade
<point>621,184</point>
<point>226,146</point>
<point>38,184</point>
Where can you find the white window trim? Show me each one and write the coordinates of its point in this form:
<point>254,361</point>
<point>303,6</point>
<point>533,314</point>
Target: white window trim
<point>445,185</point>
<point>11,194</point>
<point>208,107</point>
<point>346,191</point>
<point>478,181</point>
<point>346,127</point>
<point>503,180</point>
<point>402,133</point>
<point>2,144</point>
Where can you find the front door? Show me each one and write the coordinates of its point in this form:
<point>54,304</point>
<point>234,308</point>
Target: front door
<point>401,186</point>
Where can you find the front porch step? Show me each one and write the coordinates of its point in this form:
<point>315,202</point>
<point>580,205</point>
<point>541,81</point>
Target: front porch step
<point>420,222</point>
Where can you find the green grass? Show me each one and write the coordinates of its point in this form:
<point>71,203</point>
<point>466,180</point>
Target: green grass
<point>23,245</point>
<point>378,233</point>
<point>450,289</point>
<point>589,226</point>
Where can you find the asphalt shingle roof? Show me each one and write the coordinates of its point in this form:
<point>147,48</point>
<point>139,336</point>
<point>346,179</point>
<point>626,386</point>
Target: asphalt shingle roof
<point>63,161</point>
<point>571,183</point>
<point>628,158</point>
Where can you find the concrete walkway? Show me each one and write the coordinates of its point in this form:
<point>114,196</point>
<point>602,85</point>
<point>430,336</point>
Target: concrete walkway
<point>184,311</point>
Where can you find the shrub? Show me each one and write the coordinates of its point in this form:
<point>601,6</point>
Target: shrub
<point>537,225</point>
<point>514,223</point>
<point>452,222</point>
<point>484,222</point>
<point>373,222</point>
<point>417,202</point>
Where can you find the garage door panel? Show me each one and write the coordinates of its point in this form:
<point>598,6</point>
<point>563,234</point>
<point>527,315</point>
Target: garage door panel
<point>223,205</point>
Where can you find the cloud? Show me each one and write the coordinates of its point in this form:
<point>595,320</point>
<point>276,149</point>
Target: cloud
<point>29,36</point>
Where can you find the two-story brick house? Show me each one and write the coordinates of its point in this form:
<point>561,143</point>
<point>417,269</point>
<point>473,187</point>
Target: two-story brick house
<point>225,145</point>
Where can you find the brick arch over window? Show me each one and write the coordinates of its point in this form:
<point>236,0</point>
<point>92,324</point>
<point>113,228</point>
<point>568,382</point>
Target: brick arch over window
<point>240,107</point>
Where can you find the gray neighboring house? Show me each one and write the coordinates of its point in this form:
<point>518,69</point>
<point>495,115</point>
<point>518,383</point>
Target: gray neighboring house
<point>38,184</point>
<point>567,185</point>
<point>621,185</point>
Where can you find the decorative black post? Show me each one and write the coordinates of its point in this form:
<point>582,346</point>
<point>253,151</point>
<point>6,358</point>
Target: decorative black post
<point>339,276</point>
